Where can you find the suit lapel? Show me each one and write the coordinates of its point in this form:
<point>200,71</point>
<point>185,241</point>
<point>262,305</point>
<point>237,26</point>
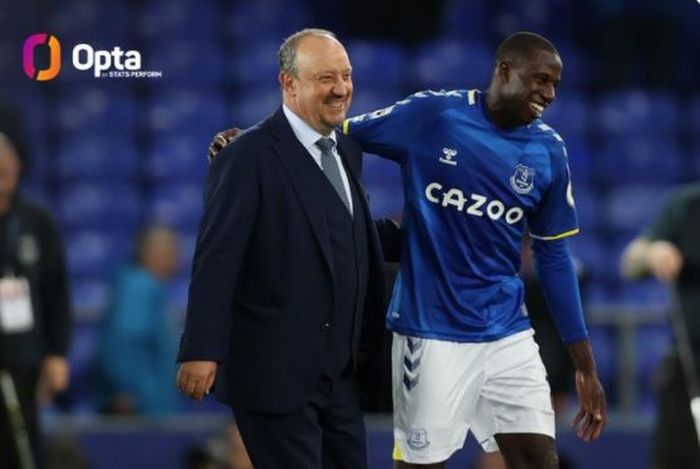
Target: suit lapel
<point>304,174</point>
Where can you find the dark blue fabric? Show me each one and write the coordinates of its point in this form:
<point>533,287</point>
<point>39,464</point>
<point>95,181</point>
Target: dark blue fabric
<point>560,287</point>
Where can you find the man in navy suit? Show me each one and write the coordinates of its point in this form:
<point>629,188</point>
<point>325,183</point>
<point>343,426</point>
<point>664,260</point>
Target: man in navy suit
<point>287,270</point>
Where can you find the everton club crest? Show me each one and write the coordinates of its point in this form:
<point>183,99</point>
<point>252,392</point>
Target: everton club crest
<point>523,179</point>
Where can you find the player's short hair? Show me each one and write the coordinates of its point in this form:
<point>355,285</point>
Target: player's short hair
<point>287,53</point>
<point>522,45</point>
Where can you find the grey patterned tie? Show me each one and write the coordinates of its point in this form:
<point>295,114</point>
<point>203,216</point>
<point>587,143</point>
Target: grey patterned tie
<point>331,170</point>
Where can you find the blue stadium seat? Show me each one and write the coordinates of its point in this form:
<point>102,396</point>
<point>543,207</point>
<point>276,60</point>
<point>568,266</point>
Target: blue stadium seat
<point>254,64</point>
<point>96,107</point>
<point>191,110</point>
<point>88,295</point>
<point>568,115</point>
<point>187,238</point>
<point>191,60</point>
<point>84,346</point>
<point>191,18</point>
<point>267,19</point>
<point>176,205</point>
<point>587,250</point>
<point>637,112</point>
<point>177,156</point>
<point>639,160</point>
<point>376,63</point>
<point>93,255</point>
<point>37,193</point>
<point>29,102</point>
<point>587,208</point>
<point>581,161</point>
<point>603,339</point>
<point>367,99</point>
<point>85,21</point>
<point>177,292</point>
<point>96,157</point>
<point>653,343</point>
<point>14,23</point>
<point>382,179</point>
<point>100,206</point>
<point>452,65</point>
<point>466,20</point>
<point>644,294</point>
<point>578,68</point>
<point>630,208</point>
<point>41,161</point>
<point>596,293</point>
<point>250,106</point>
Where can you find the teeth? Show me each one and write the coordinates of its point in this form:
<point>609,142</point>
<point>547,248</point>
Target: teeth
<point>537,107</point>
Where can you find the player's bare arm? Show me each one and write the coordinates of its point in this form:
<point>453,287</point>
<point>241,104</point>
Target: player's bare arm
<point>592,414</point>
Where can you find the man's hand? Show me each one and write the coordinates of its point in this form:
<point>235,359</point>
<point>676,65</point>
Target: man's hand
<point>665,261</point>
<point>592,415</point>
<point>220,140</point>
<point>195,378</point>
<point>53,378</point>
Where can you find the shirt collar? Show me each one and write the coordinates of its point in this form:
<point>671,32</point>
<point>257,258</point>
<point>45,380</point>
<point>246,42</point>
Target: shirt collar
<point>303,131</point>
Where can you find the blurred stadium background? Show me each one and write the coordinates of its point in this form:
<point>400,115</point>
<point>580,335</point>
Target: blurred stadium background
<point>108,155</point>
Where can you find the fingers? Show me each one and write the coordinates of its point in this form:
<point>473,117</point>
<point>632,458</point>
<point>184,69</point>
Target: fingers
<point>589,424</point>
<point>195,379</point>
<point>220,140</point>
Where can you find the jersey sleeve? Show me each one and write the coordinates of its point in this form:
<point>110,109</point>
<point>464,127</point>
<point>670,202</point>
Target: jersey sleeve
<point>391,131</point>
<point>555,216</point>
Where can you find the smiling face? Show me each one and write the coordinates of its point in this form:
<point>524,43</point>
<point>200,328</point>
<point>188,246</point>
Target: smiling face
<point>320,92</point>
<point>526,86</point>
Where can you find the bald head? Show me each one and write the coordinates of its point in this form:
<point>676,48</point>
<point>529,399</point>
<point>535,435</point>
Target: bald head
<point>287,54</point>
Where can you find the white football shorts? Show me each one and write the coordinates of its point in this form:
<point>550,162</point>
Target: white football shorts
<point>444,389</point>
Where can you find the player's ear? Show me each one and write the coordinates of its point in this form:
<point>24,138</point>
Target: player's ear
<point>287,82</point>
<point>504,69</point>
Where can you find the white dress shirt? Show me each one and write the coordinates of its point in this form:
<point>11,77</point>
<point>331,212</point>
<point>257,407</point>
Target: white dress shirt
<point>308,138</point>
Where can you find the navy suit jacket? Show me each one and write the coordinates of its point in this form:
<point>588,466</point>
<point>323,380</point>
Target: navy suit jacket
<point>263,283</point>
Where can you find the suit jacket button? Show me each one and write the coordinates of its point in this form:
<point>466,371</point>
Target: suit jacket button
<point>326,325</point>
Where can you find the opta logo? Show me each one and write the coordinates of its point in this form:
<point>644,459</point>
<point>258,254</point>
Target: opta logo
<point>41,39</point>
<point>115,63</point>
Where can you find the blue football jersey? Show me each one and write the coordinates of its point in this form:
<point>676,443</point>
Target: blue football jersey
<point>472,190</point>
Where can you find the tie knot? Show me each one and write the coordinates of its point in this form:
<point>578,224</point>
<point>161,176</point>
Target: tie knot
<point>325,144</point>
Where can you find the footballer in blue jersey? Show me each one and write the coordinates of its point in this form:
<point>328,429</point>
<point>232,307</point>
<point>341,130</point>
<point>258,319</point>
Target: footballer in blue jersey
<point>481,170</point>
<point>471,192</point>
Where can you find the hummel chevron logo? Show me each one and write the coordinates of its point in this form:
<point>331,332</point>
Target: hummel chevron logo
<point>409,382</point>
<point>411,362</point>
<point>411,365</point>
<point>449,153</point>
<point>414,344</point>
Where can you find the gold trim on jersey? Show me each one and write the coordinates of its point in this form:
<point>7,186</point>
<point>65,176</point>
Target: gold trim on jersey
<point>565,234</point>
